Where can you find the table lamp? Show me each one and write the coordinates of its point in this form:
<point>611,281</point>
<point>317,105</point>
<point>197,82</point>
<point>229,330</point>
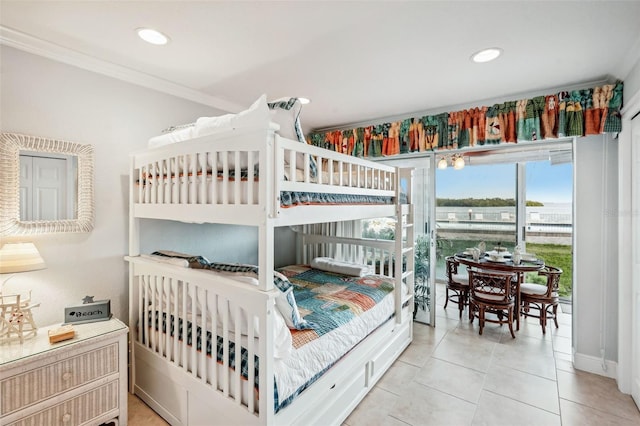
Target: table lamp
<point>15,311</point>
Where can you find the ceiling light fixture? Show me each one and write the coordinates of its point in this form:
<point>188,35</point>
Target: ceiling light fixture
<point>442,164</point>
<point>457,162</point>
<point>486,55</point>
<point>152,36</point>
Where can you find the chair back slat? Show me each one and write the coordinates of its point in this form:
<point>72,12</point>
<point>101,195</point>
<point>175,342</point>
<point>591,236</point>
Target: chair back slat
<point>499,287</point>
<point>552,275</point>
<point>452,268</point>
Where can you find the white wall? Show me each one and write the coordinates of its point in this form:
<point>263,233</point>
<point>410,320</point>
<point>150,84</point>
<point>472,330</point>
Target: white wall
<point>632,82</point>
<point>595,285</point>
<point>631,106</point>
<point>45,98</point>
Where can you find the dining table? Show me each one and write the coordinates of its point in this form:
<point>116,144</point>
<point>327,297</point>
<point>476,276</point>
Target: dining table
<point>503,263</point>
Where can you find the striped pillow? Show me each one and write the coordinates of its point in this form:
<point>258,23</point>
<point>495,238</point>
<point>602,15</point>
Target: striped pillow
<point>286,113</point>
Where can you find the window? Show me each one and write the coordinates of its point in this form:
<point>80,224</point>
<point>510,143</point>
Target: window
<point>516,196</point>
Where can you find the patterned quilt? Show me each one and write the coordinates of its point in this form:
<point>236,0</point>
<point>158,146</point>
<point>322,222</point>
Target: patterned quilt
<point>328,300</point>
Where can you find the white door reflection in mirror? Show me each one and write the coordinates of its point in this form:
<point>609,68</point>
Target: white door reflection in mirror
<point>47,186</point>
<point>57,198</point>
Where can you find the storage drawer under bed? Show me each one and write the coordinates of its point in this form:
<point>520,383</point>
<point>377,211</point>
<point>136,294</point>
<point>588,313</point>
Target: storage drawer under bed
<point>388,354</point>
<point>341,397</point>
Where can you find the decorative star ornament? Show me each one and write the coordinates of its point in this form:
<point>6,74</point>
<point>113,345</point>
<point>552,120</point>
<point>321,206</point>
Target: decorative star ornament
<point>87,299</point>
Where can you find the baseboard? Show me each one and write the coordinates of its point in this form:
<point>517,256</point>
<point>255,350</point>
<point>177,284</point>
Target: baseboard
<point>592,364</point>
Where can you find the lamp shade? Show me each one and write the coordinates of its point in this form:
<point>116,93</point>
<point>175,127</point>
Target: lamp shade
<point>20,257</point>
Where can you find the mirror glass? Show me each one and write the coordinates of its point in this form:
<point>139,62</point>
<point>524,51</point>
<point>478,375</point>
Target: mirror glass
<point>46,185</point>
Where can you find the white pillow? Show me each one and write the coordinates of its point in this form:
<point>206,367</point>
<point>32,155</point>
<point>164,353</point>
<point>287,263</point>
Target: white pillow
<point>183,133</point>
<point>256,116</point>
<point>340,267</point>
<point>176,261</point>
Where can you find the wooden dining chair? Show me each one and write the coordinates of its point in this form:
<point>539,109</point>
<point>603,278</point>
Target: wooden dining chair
<point>492,292</point>
<point>541,300</point>
<point>457,289</point>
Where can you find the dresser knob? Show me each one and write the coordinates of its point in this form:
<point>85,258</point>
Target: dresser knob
<point>66,376</point>
<point>66,418</point>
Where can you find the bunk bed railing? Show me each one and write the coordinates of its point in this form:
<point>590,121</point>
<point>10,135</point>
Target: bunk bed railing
<point>171,306</point>
<point>378,254</point>
<point>242,174</point>
<point>381,255</point>
<point>332,169</point>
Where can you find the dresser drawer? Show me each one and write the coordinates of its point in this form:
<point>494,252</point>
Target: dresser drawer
<point>77,411</point>
<point>28,388</point>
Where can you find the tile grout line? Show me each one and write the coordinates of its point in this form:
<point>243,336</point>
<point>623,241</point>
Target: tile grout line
<point>525,403</point>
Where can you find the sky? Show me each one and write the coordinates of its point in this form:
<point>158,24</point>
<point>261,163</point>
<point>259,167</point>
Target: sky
<point>545,182</point>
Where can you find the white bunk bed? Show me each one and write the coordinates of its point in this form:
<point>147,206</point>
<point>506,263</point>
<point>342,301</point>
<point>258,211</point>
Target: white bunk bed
<point>194,181</point>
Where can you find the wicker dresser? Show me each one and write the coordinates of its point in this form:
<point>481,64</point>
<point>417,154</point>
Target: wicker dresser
<point>74,382</point>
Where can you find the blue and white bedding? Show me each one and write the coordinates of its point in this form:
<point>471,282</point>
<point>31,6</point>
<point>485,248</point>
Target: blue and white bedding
<point>340,311</point>
<point>177,193</point>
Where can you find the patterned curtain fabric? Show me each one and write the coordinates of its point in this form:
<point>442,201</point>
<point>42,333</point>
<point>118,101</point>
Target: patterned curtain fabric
<point>568,113</point>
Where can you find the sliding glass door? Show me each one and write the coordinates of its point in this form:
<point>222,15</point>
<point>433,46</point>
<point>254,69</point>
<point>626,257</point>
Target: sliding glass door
<point>425,242</point>
<point>474,204</point>
<point>507,199</point>
<point>503,198</point>
<point>548,220</point>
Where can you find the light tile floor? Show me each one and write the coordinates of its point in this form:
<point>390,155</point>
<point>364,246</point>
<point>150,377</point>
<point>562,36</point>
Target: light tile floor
<point>450,375</point>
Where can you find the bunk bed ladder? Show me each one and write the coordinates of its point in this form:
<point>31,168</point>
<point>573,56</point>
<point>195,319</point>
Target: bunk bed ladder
<point>404,268</point>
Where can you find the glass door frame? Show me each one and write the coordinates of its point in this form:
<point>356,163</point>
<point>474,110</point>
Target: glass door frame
<point>521,204</point>
<point>431,232</point>
<point>425,162</point>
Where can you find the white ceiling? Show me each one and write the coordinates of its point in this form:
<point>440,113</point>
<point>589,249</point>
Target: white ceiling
<point>357,61</point>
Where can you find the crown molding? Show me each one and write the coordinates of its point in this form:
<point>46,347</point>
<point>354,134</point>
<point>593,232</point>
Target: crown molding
<point>47,49</point>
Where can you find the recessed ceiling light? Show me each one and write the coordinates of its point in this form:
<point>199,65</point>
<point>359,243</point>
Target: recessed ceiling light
<point>152,36</point>
<point>486,55</point>
<point>304,101</point>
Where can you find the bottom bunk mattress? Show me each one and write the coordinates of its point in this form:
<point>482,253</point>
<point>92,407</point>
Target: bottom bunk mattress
<point>340,311</point>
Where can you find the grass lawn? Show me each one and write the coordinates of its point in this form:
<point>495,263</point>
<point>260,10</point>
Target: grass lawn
<point>558,256</point>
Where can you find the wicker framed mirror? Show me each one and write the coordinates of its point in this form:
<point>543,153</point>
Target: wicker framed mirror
<point>14,148</point>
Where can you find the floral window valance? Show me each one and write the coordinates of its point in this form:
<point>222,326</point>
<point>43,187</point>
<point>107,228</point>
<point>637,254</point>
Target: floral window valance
<point>567,113</point>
